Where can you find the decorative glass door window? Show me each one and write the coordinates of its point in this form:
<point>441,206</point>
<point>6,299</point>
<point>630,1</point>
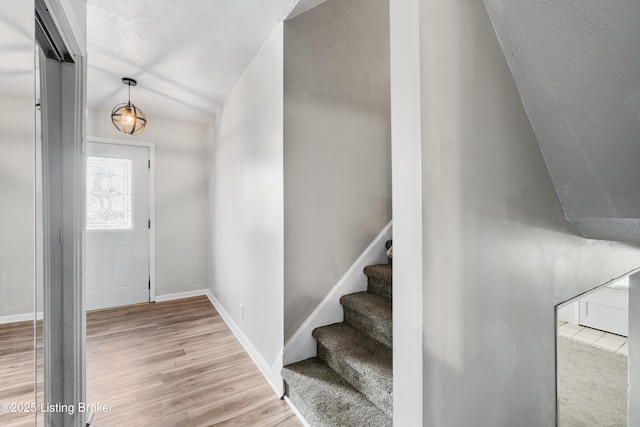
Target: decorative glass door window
<point>108,194</point>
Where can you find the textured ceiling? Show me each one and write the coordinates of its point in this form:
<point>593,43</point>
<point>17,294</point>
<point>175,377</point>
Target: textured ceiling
<point>303,6</point>
<point>186,54</point>
<point>577,67</point>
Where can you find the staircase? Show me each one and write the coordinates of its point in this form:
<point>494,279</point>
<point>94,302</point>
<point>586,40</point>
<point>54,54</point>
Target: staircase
<point>350,381</point>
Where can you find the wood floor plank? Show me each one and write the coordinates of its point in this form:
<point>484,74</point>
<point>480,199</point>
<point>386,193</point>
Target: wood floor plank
<point>175,363</point>
<point>269,414</point>
<point>172,364</point>
<point>17,366</point>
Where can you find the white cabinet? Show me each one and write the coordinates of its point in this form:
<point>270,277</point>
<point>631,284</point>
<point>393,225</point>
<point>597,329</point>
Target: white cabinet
<point>605,309</point>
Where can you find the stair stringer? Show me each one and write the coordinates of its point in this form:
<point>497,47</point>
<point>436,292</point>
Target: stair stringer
<point>302,345</point>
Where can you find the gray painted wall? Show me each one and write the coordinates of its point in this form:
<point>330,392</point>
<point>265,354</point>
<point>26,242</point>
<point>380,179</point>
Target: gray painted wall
<point>17,163</point>
<point>180,197</point>
<point>498,254</point>
<point>246,225</point>
<point>17,197</point>
<point>337,159</point>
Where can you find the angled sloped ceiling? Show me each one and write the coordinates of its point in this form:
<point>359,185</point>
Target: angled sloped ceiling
<point>186,56</point>
<point>577,67</point>
<point>302,6</point>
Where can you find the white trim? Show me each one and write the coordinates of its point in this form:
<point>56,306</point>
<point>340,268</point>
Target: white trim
<point>71,356</point>
<point>302,345</point>
<point>133,143</point>
<point>270,373</point>
<point>24,317</point>
<point>152,201</point>
<point>67,24</point>
<point>181,295</point>
<point>295,411</point>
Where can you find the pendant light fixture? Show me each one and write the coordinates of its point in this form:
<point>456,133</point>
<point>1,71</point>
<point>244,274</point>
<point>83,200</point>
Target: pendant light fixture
<point>128,118</point>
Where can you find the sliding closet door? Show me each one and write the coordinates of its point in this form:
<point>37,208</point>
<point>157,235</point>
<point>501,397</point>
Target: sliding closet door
<point>62,81</point>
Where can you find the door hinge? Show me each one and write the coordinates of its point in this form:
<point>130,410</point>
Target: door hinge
<point>149,283</point>
<point>149,164</point>
<point>149,224</point>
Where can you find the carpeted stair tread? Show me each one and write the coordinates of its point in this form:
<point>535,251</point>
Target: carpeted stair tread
<point>364,362</point>
<point>379,271</point>
<point>327,400</point>
<point>370,314</point>
<point>379,279</point>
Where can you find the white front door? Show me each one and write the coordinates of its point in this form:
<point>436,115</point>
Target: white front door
<point>117,225</point>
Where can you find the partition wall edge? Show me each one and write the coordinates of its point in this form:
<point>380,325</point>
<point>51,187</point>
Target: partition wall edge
<point>406,165</point>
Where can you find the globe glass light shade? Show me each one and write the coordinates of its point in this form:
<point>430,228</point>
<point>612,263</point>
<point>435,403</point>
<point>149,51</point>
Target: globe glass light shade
<point>128,119</point>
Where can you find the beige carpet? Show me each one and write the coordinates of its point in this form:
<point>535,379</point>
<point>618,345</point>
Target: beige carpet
<point>592,386</point>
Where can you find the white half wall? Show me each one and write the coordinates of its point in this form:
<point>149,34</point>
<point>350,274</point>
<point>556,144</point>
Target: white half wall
<point>498,253</point>
<point>180,196</point>
<point>246,224</point>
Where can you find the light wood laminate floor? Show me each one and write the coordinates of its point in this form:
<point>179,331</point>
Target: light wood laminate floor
<point>17,372</point>
<point>175,363</point>
<point>172,364</point>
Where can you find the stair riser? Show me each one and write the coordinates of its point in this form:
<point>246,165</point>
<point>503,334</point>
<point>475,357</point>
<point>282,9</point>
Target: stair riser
<point>378,330</point>
<point>378,393</point>
<point>379,287</point>
<point>298,401</point>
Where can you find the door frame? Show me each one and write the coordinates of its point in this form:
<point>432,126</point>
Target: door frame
<point>152,198</point>
<point>62,201</point>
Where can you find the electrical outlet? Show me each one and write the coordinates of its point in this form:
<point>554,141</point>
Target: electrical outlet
<point>242,311</point>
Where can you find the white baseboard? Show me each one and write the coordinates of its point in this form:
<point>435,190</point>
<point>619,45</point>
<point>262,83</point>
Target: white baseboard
<point>295,411</point>
<point>14,318</point>
<point>270,372</point>
<point>180,295</point>
<point>302,345</point>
